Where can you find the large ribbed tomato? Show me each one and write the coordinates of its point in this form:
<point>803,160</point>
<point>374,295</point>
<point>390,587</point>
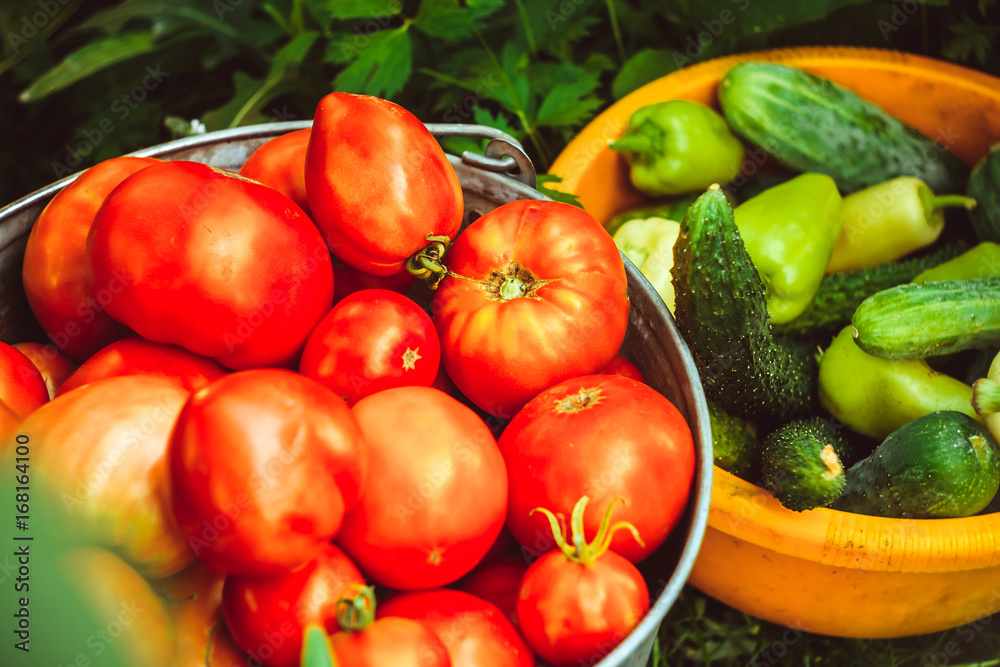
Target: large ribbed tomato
<point>211,261</point>
<point>536,295</point>
<point>263,464</point>
<point>57,279</point>
<point>378,182</point>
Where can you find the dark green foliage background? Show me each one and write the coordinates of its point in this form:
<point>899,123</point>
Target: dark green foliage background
<point>69,69</point>
<point>72,75</point>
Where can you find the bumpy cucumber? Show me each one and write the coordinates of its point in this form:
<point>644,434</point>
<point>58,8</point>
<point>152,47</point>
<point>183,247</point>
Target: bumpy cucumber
<point>927,319</point>
<point>801,464</point>
<point>733,445</point>
<point>944,464</point>
<point>721,310</point>
<point>812,124</point>
<point>839,294</point>
<point>984,187</point>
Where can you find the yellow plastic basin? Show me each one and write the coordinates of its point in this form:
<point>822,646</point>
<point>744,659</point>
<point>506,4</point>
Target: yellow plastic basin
<point>825,571</point>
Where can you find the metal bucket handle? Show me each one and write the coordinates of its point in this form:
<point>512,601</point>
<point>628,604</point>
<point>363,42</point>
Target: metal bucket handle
<point>504,154</point>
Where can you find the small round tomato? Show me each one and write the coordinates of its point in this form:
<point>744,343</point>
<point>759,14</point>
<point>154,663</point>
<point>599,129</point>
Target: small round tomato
<point>58,282</point>
<point>622,366</point>
<point>54,366</point>
<point>498,582</point>
<point>263,464</point>
<point>137,356</point>
<point>102,449</point>
<point>347,280</point>
<point>475,632</point>
<point>536,294</point>
<point>268,615</point>
<point>371,341</point>
<point>579,602</point>
<point>437,495</point>
<point>378,183</point>
<point>22,386</point>
<point>221,265</point>
<point>281,164</point>
<point>602,436</point>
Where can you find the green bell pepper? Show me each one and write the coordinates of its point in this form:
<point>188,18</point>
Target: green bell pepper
<point>679,146</point>
<point>875,396</point>
<point>789,231</point>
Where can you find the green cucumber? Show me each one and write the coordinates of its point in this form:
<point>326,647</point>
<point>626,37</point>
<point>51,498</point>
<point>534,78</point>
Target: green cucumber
<point>839,294</point>
<point>984,187</point>
<point>801,464</point>
<point>944,464</point>
<point>733,444</point>
<point>721,310</point>
<point>920,320</point>
<point>811,124</point>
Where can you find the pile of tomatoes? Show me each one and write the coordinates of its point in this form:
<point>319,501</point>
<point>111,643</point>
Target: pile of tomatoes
<point>249,397</point>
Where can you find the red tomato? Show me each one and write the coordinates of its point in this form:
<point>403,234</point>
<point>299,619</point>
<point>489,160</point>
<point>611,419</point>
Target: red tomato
<point>268,615</point>
<point>378,182</point>
<point>9,423</point>
<point>371,341</point>
<point>602,436</point>
<point>474,631</point>
<point>622,366</point>
<point>138,356</point>
<point>194,601</point>
<point>22,387</point>
<point>390,642</point>
<point>437,495</point>
<point>574,614</point>
<point>58,282</point>
<point>347,280</point>
<point>498,582</point>
<point>102,449</point>
<point>218,264</point>
<point>504,544</point>
<point>541,298</point>
<point>263,465</point>
<point>281,164</point>
<point>54,366</point>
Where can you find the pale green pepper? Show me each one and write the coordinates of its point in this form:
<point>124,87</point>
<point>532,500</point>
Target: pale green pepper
<point>789,231</point>
<point>679,146</point>
<point>649,244</point>
<point>875,396</point>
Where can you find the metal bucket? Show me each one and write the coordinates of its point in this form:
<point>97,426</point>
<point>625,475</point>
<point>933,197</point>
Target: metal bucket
<point>503,174</point>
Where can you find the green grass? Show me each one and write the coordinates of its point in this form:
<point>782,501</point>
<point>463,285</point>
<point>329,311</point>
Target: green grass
<point>699,630</point>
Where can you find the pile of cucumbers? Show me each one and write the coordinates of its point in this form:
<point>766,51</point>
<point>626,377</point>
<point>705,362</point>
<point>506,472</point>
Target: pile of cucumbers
<point>862,401</point>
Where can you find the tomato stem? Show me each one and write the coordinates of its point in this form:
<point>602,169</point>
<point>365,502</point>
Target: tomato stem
<point>356,608</point>
<point>581,551</point>
<point>426,263</point>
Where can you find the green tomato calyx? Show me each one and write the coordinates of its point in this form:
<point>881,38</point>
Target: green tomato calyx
<point>580,551</point>
<point>426,263</point>
<point>356,608</point>
<point>511,281</point>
